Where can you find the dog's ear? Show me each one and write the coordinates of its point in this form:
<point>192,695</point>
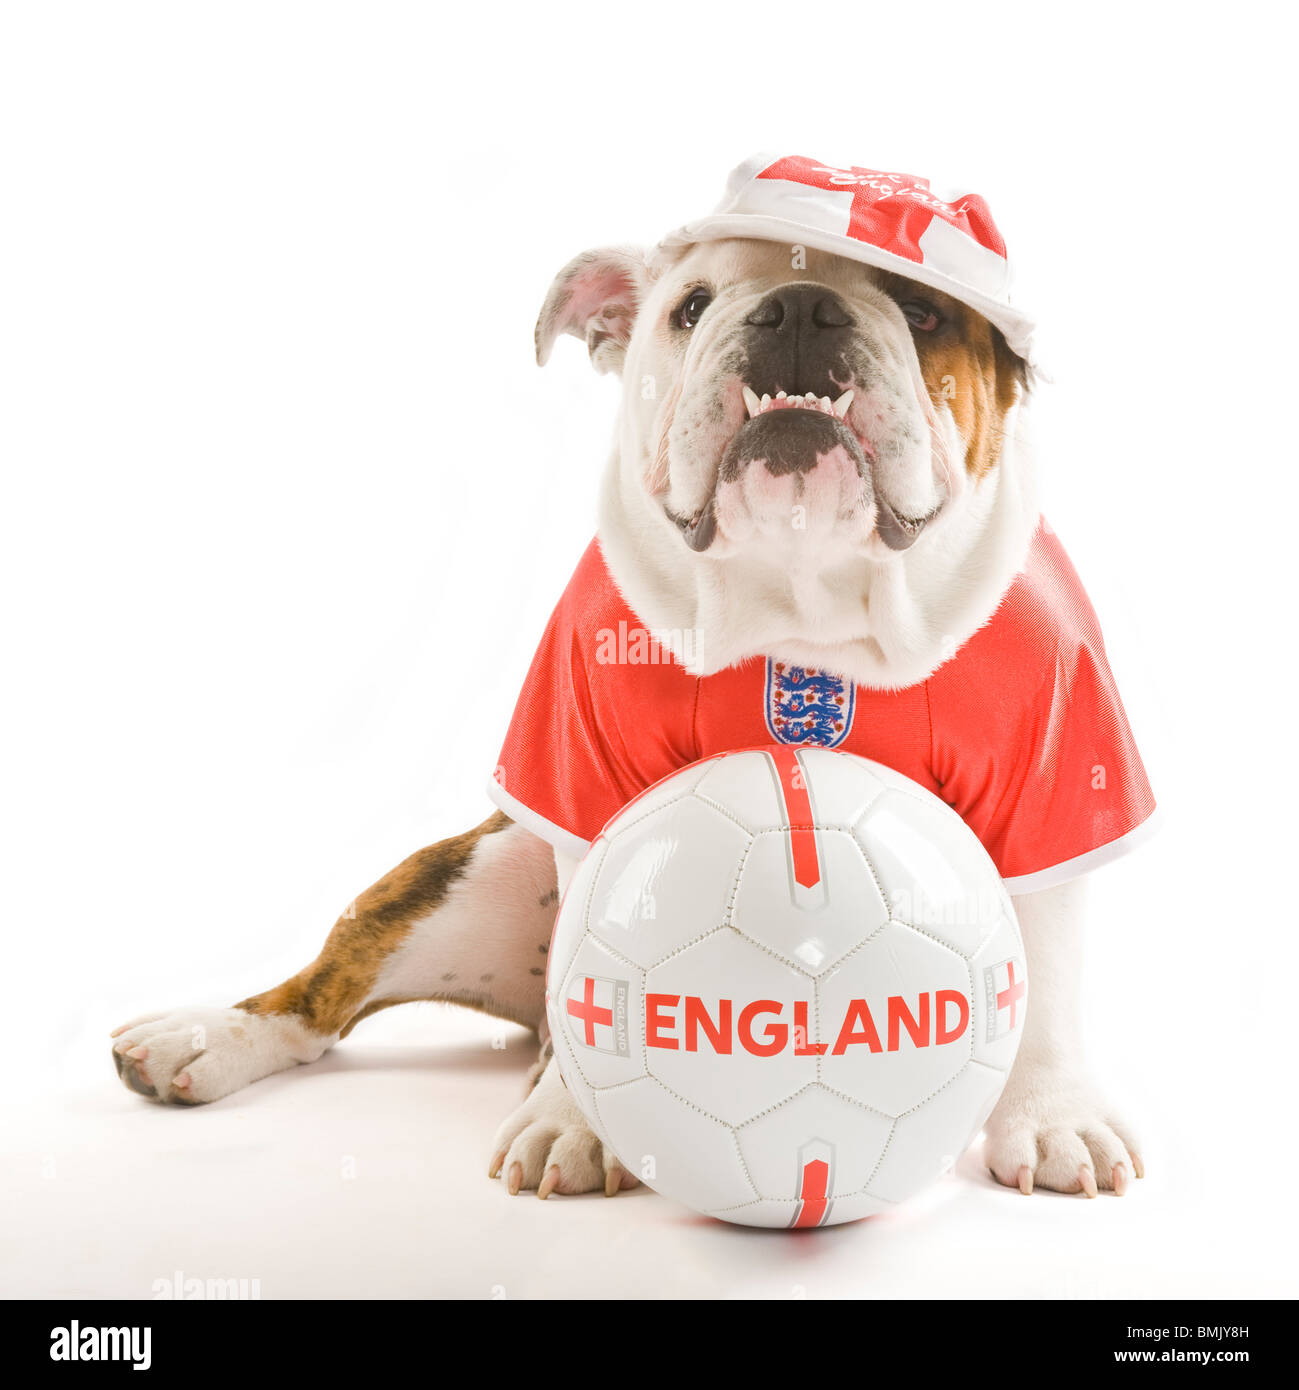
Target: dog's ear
<point>595,297</point>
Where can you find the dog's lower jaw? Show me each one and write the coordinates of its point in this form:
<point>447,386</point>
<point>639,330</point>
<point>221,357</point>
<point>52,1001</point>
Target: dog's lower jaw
<point>887,620</point>
<point>1052,1128</point>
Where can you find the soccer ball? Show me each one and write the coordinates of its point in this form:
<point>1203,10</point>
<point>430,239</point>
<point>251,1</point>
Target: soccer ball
<point>786,987</point>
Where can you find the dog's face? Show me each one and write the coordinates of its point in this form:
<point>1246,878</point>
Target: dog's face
<point>791,406</point>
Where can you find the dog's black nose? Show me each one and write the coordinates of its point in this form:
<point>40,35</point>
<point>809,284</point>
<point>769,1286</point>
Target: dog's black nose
<point>799,309</point>
<point>798,339</point>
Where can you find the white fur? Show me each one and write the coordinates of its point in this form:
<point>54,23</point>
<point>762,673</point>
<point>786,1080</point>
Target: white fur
<point>219,1050</point>
<point>487,937</point>
<point>1051,1121</point>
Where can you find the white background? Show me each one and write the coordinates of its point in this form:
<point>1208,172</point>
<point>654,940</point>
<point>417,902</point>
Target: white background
<point>287,503</point>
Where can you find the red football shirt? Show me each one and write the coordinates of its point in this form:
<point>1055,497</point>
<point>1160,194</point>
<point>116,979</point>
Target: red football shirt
<point>1021,731</point>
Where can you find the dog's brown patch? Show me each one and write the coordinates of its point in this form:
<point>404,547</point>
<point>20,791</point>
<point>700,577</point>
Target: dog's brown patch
<point>969,368</point>
<point>330,995</point>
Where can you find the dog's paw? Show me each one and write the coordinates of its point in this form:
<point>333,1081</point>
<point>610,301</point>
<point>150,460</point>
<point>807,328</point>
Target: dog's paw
<point>1059,1134</point>
<point>196,1055</point>
<point>547,1145</point>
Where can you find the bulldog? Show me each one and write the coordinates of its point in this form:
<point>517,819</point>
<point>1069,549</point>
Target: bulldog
<point>821,463</point>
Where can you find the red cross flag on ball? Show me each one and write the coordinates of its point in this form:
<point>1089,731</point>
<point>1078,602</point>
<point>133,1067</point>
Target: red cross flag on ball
<point>944,239</point>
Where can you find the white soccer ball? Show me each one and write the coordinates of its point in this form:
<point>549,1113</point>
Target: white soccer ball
<point>786,987</point>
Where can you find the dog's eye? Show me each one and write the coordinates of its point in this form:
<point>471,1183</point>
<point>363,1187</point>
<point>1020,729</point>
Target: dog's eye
<point>921,316</point>
<point>692,310</point>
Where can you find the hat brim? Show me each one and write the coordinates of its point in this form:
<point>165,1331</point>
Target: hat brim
<point>1016,326</point>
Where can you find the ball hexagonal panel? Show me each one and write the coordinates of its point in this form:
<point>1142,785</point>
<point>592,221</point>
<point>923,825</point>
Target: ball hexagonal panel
<point>665,879</point>
<point>895,1018</point>
<point>934,871</point>
<point>662,793</point>
<point>725,1027</point>
<point>841,785</point>
<point>775,1145</point>
<point>677,1150</point>
<point>932,1137</point>
<point>745,785</point>
<point>809,927</point>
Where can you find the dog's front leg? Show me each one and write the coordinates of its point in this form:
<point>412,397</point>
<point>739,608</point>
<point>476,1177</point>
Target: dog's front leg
<point>546,1143</point>
<point>1051,1128</point>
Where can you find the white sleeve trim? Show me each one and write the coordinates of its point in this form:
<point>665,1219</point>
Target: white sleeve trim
<point>554,835</point>
<point>1085,863</point>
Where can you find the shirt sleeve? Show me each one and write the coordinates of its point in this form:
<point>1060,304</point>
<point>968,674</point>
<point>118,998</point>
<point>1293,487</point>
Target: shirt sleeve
<point>602,715</point>
<point>1030,739</point>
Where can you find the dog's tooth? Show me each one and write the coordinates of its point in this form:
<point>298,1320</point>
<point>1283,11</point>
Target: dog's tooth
<point>780,395</point>
<point>840,406</point>
<point>810,397</point>
<point>766,401</point>
<point>751,402</point>
<point>825,405</point>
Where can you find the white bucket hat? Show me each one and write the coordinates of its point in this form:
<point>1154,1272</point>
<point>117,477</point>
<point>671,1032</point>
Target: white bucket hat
<point>895,222</point>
